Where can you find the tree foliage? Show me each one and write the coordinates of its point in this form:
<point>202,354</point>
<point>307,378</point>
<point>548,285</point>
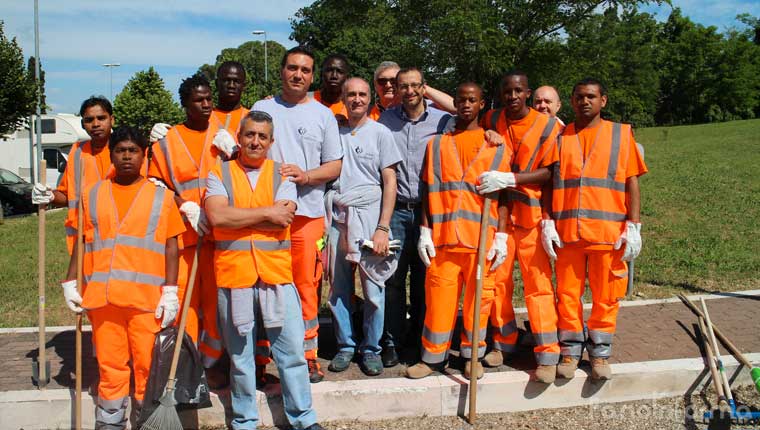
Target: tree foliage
<point>18,95</point>
<point>145,101</point>
<point>30,65</point>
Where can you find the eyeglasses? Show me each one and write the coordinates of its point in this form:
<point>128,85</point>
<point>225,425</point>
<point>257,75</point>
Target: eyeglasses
<point>413,85</point>
<point>385,81</point>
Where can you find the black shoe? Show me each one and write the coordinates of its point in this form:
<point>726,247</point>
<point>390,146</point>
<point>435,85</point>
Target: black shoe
<point>217,378</point>
<point>371,364</point>
<point>341,361</point>
<point>315,371</point>
<point>389,356</point>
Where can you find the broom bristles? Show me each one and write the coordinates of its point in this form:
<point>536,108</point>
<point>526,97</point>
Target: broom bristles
<point>165,416</point>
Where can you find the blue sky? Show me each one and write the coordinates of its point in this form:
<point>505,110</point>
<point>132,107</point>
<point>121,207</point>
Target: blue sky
<point>78,36</point>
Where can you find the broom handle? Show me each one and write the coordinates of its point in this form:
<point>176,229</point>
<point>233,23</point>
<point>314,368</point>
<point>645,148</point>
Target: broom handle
<point>80,283</point>
<point>711,362</point>
<point>42,358</point>
<point>716,351</point>
<point>183,318</point>
<point>484,221</point>
<point>723,339</point>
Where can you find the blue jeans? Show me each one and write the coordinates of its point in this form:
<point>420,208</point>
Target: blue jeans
<point>287,349</point>
<point>405,226</point>
<point>341,292</point>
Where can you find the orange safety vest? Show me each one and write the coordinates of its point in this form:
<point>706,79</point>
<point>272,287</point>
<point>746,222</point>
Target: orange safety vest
<point>243,255</point>
<point>80,157</point>
<point>375,112</point>
<point>454,205</point>
<point>186,178</point>
<point>524,201</point>
<point>589,200</point>
<point>125,261</point>
<point>231,119</point>
<point>337,108</point>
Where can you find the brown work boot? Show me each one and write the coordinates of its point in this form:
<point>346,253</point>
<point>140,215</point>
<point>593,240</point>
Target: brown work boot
<point>600,369</point>
<point>419,370</point>
<point>315,371</point>
<point>567,366</point>
<point>478,369</point>
<point>546,374</point>
<point>495,358</point>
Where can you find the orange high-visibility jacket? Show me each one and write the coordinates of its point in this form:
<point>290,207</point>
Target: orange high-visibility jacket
<point>185,176</point>
<point>235,118</point>
<point>80,157</point>
<point>125,261</point>
<point>243,255</point>
<point>337,108</point>
<point>454,205</point>
<point>589,199</point>
<point>529,151</point>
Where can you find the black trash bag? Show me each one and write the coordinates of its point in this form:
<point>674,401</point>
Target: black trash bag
<point>191,390</point>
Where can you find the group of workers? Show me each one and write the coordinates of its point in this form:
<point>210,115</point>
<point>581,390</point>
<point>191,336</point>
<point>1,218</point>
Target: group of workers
<point>266,197</point>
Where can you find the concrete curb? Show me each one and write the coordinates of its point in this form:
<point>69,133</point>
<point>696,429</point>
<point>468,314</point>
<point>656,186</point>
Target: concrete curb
<point>445,395</point>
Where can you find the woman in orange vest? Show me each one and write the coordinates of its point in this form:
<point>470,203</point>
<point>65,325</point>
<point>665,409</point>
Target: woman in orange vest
<point>450,232</point>
<point>251,206</point>
<point>130,271</point>
<point>595,209</point>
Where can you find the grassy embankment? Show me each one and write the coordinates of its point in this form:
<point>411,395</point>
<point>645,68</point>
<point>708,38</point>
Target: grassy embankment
<point>701,224</point>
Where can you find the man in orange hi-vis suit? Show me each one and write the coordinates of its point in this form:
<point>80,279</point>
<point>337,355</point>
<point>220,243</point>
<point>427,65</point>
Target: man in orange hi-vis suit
<point>230,84</point>
<point>595,210</point>
<point>334,72</point>
<point>532,137</point>
<point>130,272</point>
<point>450,232</point>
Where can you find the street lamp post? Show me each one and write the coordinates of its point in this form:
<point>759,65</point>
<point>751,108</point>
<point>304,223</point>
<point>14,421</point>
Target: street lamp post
<point>266,66</point>
<point>110,69</point>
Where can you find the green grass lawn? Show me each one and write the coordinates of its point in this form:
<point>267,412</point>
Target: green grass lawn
<point>700,215</point>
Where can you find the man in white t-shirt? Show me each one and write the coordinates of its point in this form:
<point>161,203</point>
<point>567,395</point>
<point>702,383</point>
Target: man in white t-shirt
<point>359,207</point>
<point>307,143</point>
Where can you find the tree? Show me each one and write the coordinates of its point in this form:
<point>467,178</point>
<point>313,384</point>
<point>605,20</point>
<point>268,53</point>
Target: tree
<point>754,26</point>
<point>18,96</point>
<point>30,73</point>
<point>145,101</point>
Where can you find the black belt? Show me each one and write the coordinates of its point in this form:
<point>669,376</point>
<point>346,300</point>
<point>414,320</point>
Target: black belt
<point>410,206</point>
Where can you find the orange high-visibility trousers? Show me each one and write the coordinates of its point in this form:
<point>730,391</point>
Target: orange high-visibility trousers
<point>443,287</point>
<point>607,278</point>
<point>524,245</point>
<point>122,335</point>
<point>307,275</point>
<point>192,325</point>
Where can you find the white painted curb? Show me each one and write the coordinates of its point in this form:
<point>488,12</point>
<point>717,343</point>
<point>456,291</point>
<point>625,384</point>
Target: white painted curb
<point>374,399</point>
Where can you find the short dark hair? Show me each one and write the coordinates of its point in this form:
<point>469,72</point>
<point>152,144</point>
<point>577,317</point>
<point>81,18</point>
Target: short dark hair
<point>258,116</point>
<point>514,72</point>
<point>590,81</point>
<point>132,134</point>
<point>188,84</point>
<point>406,70</point>
<point>340,57</point>
<point>300,49</point>
<point>96,101</point>
<point>228,65</point>
<point>471,84</point>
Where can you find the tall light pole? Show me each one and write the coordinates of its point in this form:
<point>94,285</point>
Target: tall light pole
<point>110,69</point>
<point>38,122</point>
<point>266,64</point>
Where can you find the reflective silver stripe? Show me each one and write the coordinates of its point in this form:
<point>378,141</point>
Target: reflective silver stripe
<point>507,329</point>
<point>547,338</point>
<point>191,184</point>
<point>99,245</point>
<point>461,213</point>
<point>77,156</point>
<point>227,182</point>
<point>276,180</point>
<point>590,214</point>
<point>71,231</point>
<point>504,347</point>
<point>497,158</point>
<point>468,334</point>
<point>600,337</point>
<point>111,413</point>
<point>94,212</point>
<point>544,135</point>
<point>155,213</point>
<point>311,324</point>
<point>571,336</point>
<point>436,337</point>
<point>73,203</point>
<point>516,196</point>
<point>453,186</point>
<point>546,358</point>
<point>590,182</point>
<point>310,344</point>
<point>271,245</point>
<point>215,344</point>
<point>164,145</point>
<point>128,276</point>
<point>495,118</point>
<point>603,350</point>
<point>233,245</point>
<point>429,357</point>
<point>466,352</point>
<point>436,161</point>
<point>614,151</point>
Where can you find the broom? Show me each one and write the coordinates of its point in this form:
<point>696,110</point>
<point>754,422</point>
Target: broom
<point>165,416</point>
<point>722,403</point>
<point>42,374</point>
<point>716,352</point>
<point>484,220</point>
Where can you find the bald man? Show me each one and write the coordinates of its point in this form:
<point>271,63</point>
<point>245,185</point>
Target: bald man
<point>546,100</point>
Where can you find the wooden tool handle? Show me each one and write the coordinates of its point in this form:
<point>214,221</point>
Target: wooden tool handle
<point>711,361</point>
<point>80,280</point>
<point>183,318</point>
<point>42,357</point>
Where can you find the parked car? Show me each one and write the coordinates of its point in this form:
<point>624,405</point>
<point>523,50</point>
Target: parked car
<point>15,194</point>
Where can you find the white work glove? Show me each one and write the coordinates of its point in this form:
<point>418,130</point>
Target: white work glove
<point>168,305</point>
<point>159,131</point>
<point>42,194</point>
<point>195,215</point>
<point>71,295</point>
<point>550,238</point>
<point>632,238</point>
<point>425,246</point>
<point>224,141</point>
<point>157,182</point>
<point>494,181</point>
<point>498,251</point>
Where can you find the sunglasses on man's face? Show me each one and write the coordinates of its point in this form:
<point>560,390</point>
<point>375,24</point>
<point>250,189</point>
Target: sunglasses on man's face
<point>385,81</point>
